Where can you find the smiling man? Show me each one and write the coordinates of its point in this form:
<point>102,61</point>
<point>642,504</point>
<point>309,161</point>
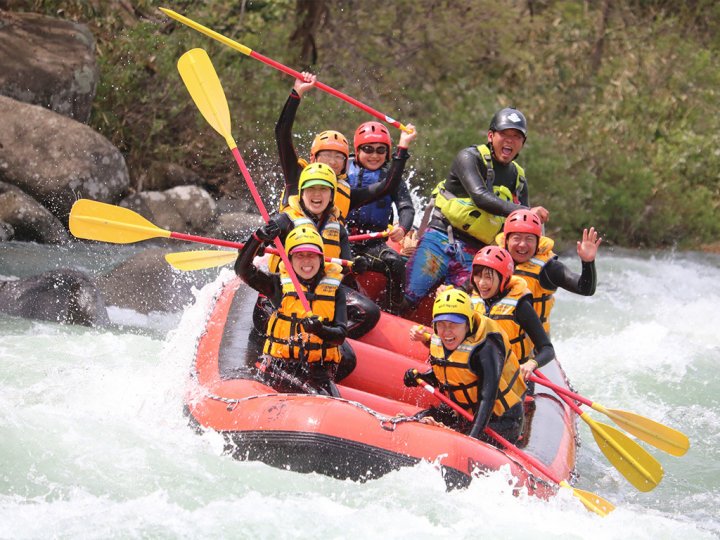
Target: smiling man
<point>484,185</point>
<point>473,364</point>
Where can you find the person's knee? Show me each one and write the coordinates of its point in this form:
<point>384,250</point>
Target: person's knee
<point>348,361</point>
<point>363,314</point>
<point>394,262</point>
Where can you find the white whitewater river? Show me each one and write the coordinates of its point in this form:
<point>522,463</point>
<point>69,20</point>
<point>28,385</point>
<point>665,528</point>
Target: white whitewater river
<point>94,444</point>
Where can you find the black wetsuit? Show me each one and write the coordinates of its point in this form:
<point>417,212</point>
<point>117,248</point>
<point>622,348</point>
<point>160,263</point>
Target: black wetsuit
<point>556,275</point>
<point>468,178</point>
<point>487,363</point>
<point>332,332</point>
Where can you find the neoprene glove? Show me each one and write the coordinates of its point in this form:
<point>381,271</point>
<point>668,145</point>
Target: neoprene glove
<point>269,231</point>
<point>410,378</point>
<point>360,265</point>
<point>312,325</point>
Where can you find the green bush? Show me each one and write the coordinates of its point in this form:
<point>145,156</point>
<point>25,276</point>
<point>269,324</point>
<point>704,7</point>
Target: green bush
<point>624,132</point>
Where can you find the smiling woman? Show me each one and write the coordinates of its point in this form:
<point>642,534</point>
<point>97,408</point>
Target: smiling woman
<point>302,346</point>
<point>316,197</point>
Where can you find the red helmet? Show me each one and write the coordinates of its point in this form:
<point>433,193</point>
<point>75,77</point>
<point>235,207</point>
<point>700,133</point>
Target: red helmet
<point>372,132</point>
<point>523,221</point>
<point>499,260</point>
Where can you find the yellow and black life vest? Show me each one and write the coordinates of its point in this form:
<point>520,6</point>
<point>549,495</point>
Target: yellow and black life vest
<point>462,213</point>
<point>330,231</point>
<point>504,313</point>
<point>284,325</point>
<point>459,383</point>
<point>543,299</point>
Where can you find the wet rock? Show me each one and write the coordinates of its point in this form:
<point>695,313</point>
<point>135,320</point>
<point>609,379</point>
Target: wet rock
<point>57,160</point>
<point>48,62</point>
<point>181,209</point>
<point>161,176</point>
<point>237,226</point>
<point>27,219</point>
<point>64,296</point>
<point>146,283</point>
<point>6,232</point>
<point>227,205</point>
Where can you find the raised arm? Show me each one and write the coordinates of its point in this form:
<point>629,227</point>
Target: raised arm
<point>557,275</point>
<point>283,135</point>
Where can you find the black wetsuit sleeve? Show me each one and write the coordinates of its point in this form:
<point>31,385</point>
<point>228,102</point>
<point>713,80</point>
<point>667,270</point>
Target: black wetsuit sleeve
<point>361,196</point>
<point>404,204</point>
<point>487,363</point>
<point>345,250</point>
<point>335,332</point>
<point>556,275</point>
<point>466,167</point>
<point>285,224</point>
<point>529,321</point>
<point>265,283</point>
<point>286,150</point>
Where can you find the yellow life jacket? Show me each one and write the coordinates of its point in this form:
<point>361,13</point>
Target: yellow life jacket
<point>342,198</point>
<point>342,195</point>
<point>330,231</point>
<point>460,383</point>
<point>543,299</point>
<point>504,313</point>
<point>284,325</point>
<point>462,213</point>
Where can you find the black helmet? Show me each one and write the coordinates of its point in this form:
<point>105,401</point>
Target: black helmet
<point>509,118</point>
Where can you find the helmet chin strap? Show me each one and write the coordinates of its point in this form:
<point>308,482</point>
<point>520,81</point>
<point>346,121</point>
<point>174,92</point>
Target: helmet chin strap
<point>471,330</point>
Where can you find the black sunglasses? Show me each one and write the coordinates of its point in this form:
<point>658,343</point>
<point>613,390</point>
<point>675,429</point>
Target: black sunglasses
<point>382,150</point>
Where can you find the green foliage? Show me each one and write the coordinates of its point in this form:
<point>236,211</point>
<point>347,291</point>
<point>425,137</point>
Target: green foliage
<point>624,133</point>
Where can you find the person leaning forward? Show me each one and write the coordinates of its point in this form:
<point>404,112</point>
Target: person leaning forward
<point>485,184</point>
<point>473,365</point>
<point>302,350</point>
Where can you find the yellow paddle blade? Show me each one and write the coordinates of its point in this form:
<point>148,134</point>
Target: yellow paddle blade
<point>659,435</point>
<point>593,502</point>
<point>94,220</point>
<point>634,462</point>
<point>200,260</point>
<point>202,82</point>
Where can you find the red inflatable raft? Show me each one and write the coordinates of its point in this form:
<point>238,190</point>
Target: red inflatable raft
<point>366,433</point>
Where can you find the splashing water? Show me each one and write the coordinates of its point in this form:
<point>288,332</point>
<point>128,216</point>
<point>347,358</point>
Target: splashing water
<point>95,444</point>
